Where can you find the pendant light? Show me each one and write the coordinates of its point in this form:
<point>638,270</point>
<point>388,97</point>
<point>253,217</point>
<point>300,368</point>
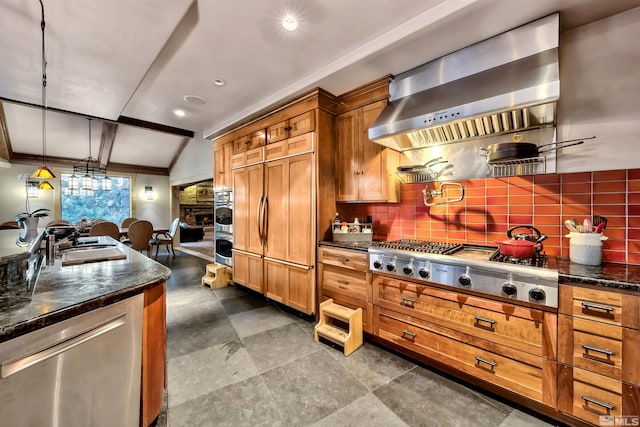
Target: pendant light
<point>90,169</point>
<point>43,172</point>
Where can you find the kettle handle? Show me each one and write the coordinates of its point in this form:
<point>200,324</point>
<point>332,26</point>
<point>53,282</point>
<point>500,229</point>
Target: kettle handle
<point>539,236</point>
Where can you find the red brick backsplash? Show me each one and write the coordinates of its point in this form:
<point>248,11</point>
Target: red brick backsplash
<point>491,206</point>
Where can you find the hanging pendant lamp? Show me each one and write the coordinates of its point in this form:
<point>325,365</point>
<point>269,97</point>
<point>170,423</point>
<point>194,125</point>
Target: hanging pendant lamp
<point>43,172</point>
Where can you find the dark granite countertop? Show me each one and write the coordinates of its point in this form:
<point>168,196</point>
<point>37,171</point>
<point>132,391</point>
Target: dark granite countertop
<point>612,275</point>
<point>64,292</point>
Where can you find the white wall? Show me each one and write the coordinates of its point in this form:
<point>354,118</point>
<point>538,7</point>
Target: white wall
<point>194,164</point>
<point>157,210</point>
<point>600,94</point>
<point>12,193</point>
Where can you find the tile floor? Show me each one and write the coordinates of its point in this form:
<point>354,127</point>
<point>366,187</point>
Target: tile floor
<point>235,359</point>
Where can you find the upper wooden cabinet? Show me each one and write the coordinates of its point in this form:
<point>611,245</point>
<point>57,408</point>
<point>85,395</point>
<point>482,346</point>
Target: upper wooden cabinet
<point>222,166</point>
<point>365,170</point>
<point>289,128</point>
<point>248,142</point>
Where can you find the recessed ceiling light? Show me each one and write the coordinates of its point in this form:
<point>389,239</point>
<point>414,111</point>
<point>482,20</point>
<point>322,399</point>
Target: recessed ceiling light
<point>289,23</point>
<point>194,99</point>
<point>218,82</point>
<point>179,113</point>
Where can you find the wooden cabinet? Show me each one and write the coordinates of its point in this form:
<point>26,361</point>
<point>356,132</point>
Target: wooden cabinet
<point>222,178</point>
<point>298,125</point>
<point>249,142</point>
<point>598,342</point>
<point>507,345</point>
<point>248,184</point>
<point>343,276</point>
<point>154,353</point>
<point>289,207</point>
<point>365,170</point>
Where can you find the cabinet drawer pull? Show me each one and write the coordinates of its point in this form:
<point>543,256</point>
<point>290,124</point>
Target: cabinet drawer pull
<point>343,282</point>
<point>480,360</point>
<point>594,306</point>
<point>408,301</point>
<point>343,259</point>
<point>597,402</point>
<point>480,320</point>
<point>405,332</point>
<point>588,348</point>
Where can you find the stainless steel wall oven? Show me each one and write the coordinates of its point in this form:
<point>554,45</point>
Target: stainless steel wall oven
<point>223,210</point>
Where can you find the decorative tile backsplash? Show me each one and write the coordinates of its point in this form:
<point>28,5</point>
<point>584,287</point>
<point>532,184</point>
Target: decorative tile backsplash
<point>491,206</point>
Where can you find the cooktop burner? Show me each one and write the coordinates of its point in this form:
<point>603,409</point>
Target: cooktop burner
<point>538,260</point>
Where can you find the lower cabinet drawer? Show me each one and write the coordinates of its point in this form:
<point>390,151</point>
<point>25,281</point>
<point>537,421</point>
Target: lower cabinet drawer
<point>600,347</point>
<point>589,396</point>
<point>367,308</point>
<point>522,328</point>
<point>352,283</point>
<point>522,373</point>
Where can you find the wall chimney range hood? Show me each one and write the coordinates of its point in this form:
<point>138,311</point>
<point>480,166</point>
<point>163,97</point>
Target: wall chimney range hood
<point>508,83</point>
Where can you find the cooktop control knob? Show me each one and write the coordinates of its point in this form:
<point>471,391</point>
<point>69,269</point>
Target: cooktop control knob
<point>377,264</point>
<point>424,273</point>
<point>464,280</point>
<point>408,270</point>
<point>536,294</point>
<point>391,267</point>
<point>509,288</point>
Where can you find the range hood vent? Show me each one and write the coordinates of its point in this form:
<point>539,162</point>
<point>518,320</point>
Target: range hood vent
<point>508,83</point>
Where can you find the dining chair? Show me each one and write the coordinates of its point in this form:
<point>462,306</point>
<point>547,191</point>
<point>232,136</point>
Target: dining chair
<point>8,225</point>
<point>165,238</point>
<point>139,233</point>
<point>105,228</point>
<point>57,222</point>
<point>127,222</point>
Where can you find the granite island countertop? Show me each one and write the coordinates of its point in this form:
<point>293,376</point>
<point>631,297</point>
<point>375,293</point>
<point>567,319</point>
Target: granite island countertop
<point>64,292</point>
<point>612,275</point>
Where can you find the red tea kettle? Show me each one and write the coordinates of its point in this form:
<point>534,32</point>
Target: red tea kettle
<point>522,245</point>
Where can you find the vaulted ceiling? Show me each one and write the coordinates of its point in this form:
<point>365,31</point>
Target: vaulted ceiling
<point>130,64</point>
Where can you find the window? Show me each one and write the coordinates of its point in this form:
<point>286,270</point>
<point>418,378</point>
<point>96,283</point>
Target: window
<point>113,205</point>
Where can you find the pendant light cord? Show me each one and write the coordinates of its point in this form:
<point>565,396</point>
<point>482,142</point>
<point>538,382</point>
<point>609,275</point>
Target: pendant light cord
<point>44,90</point>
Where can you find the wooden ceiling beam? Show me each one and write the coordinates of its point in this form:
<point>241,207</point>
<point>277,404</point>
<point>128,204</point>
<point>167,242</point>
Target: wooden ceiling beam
<point>106,142</point>
<point>5,142</point>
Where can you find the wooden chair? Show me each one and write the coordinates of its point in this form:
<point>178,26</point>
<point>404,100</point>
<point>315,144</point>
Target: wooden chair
<point>140,232</point>
<point>165,238</point>
<point>127,222</point>
<point>105,228</point>
<point>57,222</point>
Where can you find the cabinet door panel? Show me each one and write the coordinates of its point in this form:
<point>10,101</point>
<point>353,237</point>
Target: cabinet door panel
<point>277,209</point>
<point>373,177</point>
<point>347,156</point>
<point>300,215</point>
<point>248,192</point>
<point>248,270</point>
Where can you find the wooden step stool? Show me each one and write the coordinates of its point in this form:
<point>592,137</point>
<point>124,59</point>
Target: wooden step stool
<point>350,340</point>
<point>217,276</point>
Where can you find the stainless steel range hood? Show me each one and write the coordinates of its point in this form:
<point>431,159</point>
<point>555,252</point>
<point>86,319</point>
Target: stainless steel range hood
<point>508,83</point>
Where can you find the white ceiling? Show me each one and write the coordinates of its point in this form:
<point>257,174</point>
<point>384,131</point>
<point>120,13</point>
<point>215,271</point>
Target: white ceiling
<point>139,59</point>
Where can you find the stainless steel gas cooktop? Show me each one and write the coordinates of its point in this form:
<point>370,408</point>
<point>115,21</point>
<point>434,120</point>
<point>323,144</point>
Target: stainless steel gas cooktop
<point>477,268</point>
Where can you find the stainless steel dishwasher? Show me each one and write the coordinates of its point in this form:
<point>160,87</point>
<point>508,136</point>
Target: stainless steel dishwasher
<point>83,371</point>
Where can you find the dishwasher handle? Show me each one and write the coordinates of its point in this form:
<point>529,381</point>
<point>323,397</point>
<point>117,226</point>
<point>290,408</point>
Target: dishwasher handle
<point>19,364</point>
